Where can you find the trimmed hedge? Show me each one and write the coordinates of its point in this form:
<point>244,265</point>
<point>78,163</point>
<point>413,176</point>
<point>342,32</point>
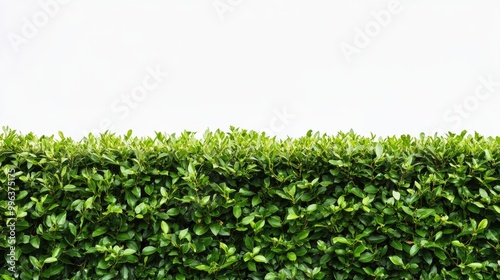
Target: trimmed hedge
<point>241,205</point>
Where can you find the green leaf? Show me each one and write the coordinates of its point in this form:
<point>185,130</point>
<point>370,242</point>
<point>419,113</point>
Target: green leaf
<point>173,212</point>
<point>251,266</point>
<point>396,260</point>
<point>407,210</point>
<point>311,208</point>
<point>34,261</point>
<point>487,155</point>
<point>366,257</point>
<point>148,250</point>
<point>414,250</point>
<point>271,276</point>
<point>99,231</point>
<point>340,239</point>
<point>141,208</point>
<point>475,265</point>
<point>424,213</point>
<point>483,193</point>
<point>200,229</point>
<point>259,225</point>
<point>291,214</point>
<point>183,233</point>
<point>50,260</point>
<point>359,249</point>
<point>164,227</point>
<point>274,221</point>
<point>379,149</point>
<point>256,201</point>
<point>303,234</point>
<point>125,236</point>
<point>215,228</point>
<point>376,238</point>
<point>291,256</point>
<point>237,211</point>
<point>128,252</point>
<point>149,189</point>
<point>51,271</point>
<point>396,195</point>
<point>457,243</point>
<point>203,267</point>
<point>35,241</point>
<point>396,244</point>
<point>70,188</point>
<point>482,225</point>
<point>137,192</point>
<point>260,258</point>
<point>440,254</point>
<point>247,220</point>
<point>248,242</point>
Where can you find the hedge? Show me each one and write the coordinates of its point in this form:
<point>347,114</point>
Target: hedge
<point>243,205</point>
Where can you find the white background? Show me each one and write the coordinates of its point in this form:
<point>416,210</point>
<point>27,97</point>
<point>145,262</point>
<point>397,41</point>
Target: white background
<point>280,66</point>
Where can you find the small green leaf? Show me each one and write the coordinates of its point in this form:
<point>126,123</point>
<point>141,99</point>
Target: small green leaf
<point>379,149</point>
<point>440,254</point>
<point>414,250</point>
<point>50,260</point>
<point>35,241</point>
<point>136,191</point>
<point>203,267</point>
<point>475,265</point>
<point>396,195</point>
<point>396,260</point>
<point>34,261</point>
<point>274,221</point>
<point>251,266</point>
<point>291,256</point>
<point>407,210</point>
<point>311,208</point>
<point>164,227</point>
<point>360,249</point>
<point>303,234</point>
<point>99,231</point>
<point>173,212</point>
<point>482,225</point>
<point>215,228</point>
<point>247,220</point>
<point>366,201</point>
<point>148,250</point>
<point>439,234</point>
<point>200,229</point>
<point>256,201</point>
<point>128,252</point>
<point>366,257</point>
<point>237,211</point>
<point>396,244</point>
<point>183,233</point>
<point>291,214</point>
<point>342,240</point>
<point>248,242</point>
<point>483,193</point>
<point>424,213</point>
<point>70,188</point>
<point>260,258</point>
<point>487,155</point>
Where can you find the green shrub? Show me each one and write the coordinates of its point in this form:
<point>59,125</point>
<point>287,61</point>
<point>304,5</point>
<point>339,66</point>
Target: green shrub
<point>241,205</point>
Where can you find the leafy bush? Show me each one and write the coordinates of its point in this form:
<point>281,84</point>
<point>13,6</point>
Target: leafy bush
<point>241,205</point>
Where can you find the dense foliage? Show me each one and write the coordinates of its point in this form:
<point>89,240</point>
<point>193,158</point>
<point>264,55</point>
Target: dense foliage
<point>241,205</point>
